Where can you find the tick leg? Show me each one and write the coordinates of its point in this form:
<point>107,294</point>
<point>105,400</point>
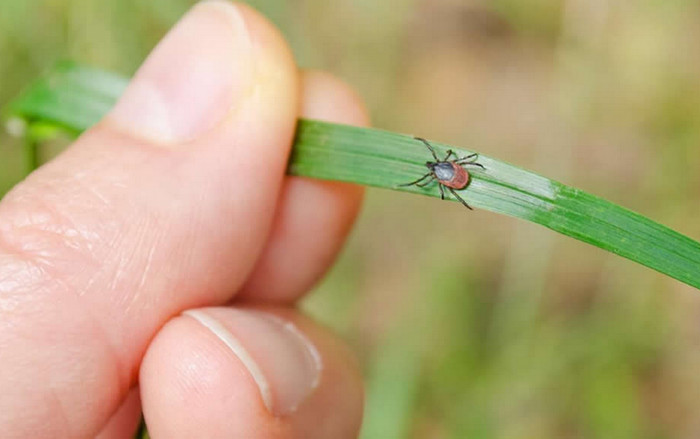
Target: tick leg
<point>442,192</point>
<point>449,154</point>
<point>427,182</point>
<point>468,158</point>
<point>430,147</point>
<point>429,174</point>
<point>474,164</point>
<point>459,198</point>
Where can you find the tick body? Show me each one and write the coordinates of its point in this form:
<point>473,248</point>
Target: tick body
<point>449,174</point>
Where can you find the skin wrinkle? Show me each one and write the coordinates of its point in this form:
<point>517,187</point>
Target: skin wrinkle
<point>15,274</point>
<point>60,412</point>
<point>50,221</point>
<point>45,283</point>
<point>122,377</point>
<point>50,273</point>
<point>151,237</point>
<point>58,191</point>
<point>116,272</point>
<point>48,278</point>
<point>146,271</point>
<point>128,293</point>
<point>81,243</point>
<point>71,237</point>
<point>41,278</point>
<point>50,396</point>
<point>10,256</point>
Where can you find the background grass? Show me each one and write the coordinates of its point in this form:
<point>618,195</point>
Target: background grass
<point>470,324</point>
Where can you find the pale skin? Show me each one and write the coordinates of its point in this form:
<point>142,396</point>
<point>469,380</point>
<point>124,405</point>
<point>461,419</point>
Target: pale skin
<point>175,202</point>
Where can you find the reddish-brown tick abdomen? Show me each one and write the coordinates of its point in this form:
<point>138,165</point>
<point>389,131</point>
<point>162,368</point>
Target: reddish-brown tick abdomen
<point>460,178</point>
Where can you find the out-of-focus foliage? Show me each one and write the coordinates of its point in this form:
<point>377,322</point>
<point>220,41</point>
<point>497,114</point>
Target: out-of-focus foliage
<point>549,338</point>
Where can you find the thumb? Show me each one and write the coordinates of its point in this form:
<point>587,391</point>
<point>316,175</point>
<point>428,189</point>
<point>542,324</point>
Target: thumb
<point>163,206</point>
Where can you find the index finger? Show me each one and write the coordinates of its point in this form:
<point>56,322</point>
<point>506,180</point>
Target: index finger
<point>314,217</point>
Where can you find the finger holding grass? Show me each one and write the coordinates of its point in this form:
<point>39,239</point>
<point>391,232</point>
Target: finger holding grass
<point>166,206</point>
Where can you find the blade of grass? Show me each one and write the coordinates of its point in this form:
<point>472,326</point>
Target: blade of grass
<point>31,154</point>
<point>74,98</point>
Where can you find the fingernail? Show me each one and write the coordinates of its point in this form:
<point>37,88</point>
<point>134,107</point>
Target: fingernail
<point>192,78</point>
<point>284,363</point>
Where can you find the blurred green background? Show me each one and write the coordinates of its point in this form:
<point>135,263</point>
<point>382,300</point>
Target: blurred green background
<point>468,324</point>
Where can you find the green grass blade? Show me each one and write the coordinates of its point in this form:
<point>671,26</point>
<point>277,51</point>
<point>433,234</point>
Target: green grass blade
<point>75,97</point>
<point>72,97</point>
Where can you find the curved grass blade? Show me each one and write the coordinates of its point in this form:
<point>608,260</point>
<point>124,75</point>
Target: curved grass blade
<point>75,98</point>
<point>71,97</point>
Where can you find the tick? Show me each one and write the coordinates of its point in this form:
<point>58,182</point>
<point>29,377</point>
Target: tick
<point>450,174</point>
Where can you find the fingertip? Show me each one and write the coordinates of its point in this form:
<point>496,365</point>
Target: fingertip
<point>310,228</point>
<point>197,379</point>
<point>191,387</point>
<point>327,97</point>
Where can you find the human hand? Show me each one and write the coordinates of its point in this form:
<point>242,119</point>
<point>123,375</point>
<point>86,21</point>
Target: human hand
<point>115,258</point>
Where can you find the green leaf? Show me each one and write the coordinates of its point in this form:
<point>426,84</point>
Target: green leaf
<point>75,98</point>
